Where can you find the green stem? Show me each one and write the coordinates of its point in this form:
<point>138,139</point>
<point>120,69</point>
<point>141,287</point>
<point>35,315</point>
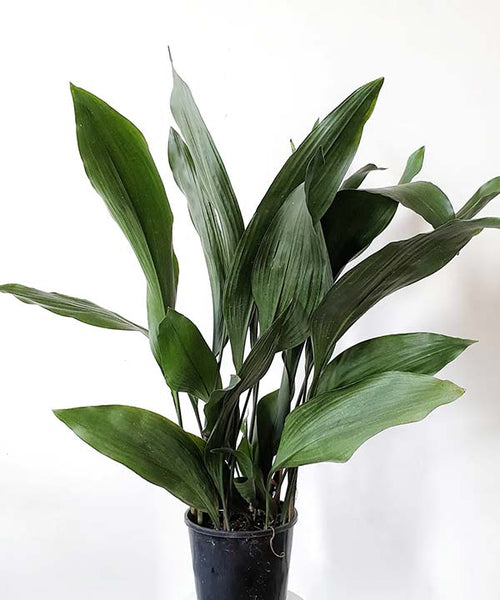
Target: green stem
<point>177,404</point>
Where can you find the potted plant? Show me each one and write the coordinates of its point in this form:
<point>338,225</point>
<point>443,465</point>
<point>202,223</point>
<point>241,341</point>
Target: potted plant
<point>282,286</point>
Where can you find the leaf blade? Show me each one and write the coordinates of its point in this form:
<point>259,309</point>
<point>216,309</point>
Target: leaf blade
<point>480,199</point>
<point>413,165</point>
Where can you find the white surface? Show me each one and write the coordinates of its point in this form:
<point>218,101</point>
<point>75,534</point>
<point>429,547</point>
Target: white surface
<point>415,513</point>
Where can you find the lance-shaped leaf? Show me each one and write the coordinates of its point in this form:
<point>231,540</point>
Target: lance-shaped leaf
<point>187,362</point>
<point>393,267</point>
<point>291,265</point>
<point>120,167</point>
<point>338,135</point>
<point>480,199</point>
<point>205,220</point>
<point>356,179</point>
<point>332,426</point>
<point>149,444</point>
<point>67,306</point>
<point>413,165</point>
<point>425,353</point>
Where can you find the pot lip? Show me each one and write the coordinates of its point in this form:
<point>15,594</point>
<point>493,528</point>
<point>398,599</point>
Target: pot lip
<point>218,533</point>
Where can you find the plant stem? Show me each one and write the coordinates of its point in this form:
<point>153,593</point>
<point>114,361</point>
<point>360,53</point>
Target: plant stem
<point>194,404</point>
<point>177,404</point>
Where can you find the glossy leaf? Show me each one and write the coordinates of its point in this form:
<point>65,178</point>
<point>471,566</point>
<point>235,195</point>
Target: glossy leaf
<point>425,353</point>
<point>332,426</point>
<point>185,358</point>
<point>413,165</point>
<point>393,267</point>
<point>291,265</point>
<point>356,179</point>
<point>205,220</point>
<point>480,199</point>
<point>120,167</point>
<point>338,135</point>
<point>151,446</point>
<point>67,306</point>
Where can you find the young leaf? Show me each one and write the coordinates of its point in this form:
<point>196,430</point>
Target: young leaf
<point>356,179</point>
<point>67,306</point>
<point>332,426</point>
<point>120,167</point>
<point>425,353</point>
<point>207,225</point>
<point>187,362</point>
<point>413,165</point>
<point>338,135</point>
<point>291,265</point>
<point>149,444</point>
<point>480,199</point>
<point>393,267</point>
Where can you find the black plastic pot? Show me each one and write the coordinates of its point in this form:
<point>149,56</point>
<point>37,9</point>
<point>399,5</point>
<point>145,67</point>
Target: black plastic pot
<point>241,565</point>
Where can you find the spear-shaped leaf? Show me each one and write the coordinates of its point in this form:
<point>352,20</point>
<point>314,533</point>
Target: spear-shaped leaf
<point>393,267</point>
<point>149,444</point>
<point>338,136</point>
<point>332,426</point>
<point>356,179</point>
<point>413,165</point>
<point>67,306</point>
<point>480,199</point>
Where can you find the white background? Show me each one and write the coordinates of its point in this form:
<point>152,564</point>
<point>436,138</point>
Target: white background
<point>415,513</point>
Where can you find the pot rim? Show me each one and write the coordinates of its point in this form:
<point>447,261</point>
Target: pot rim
<point>219,533</point>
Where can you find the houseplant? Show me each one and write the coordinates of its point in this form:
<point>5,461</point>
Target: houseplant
<point>278,290</point>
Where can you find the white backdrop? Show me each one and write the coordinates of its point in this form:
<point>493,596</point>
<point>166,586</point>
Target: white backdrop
<point>415,513</point>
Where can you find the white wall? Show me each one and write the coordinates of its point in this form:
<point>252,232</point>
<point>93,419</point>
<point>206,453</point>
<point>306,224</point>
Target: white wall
<point>415,513</point>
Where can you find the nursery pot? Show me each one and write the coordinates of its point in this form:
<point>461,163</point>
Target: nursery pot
<point>241,565</point>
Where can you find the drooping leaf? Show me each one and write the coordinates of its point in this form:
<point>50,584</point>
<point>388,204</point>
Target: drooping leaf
<point>413,165</point>
<point>291,265</point>
<point>205,220</point>
<point>393,267</point>
<point>356,179</point>
<point>149,444</point>
<point>425,353</point>
<point>338,135</point>
<point>332,426</point>
<point>187,362</point>
<point>480,199</point>
<point>120,167</point>
<point>76,308</point>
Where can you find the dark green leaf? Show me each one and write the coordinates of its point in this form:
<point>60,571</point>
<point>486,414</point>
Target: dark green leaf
<point>120,167</point>
<point>413,165</point>
<point>356,179</point>
<point>185,358</point>
<point>338,135</point>
<point>149,444</point>
<point>480,199</point>
<point>67,306</point>
<point>425,353</point>
<point>332,426</point>
<point>393,267</point>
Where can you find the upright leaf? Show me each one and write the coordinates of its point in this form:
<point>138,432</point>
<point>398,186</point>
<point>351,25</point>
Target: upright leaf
<point>413,165</point>
<point>332,426</point>
<point>480,199</point>
<point>356,179</point>
<point>425,353</point>
<point>120,167</point>
<point>338,136</point>
<point>393,267</point>
<point>76,308</point>
<point>150,445</point>
<point>185,358</point>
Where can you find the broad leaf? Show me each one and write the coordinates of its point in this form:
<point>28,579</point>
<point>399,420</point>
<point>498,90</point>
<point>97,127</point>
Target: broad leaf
<point>480,199</point>
<point>413,165</point>
<point>149,444</point>
<point>425,353</point>
<point>67,306</point>
<point>120,167</point>
<point>332,426</point>
<point>205,220</point>
<point>356,179</point>
<point>185,358</point>
<point>338,136</point>
<point>291,265</point>
<point>393,267</point>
